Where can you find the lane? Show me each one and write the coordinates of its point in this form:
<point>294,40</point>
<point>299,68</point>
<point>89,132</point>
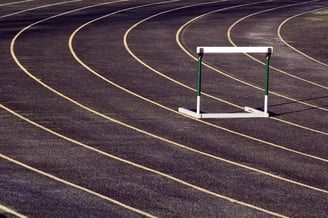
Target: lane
<point>159,73</point>
<point>31,6</point>
<point>96,170</point>
<point>13,3</point>
<point>74,128</point>
<point>252,35</point>
<point>190,88</point>
<point>277,106</point>
<point>109,80</point>
<point>36,196</point>
<point>97,40</point>
<point>55,201</point>
<point>240,211</point>
<point>313,72</point>
<point>41,197</point>
<point>152,39</point>
<point>315,23</point>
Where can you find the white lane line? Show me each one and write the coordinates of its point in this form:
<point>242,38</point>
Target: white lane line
<point>130,163</point>
<point>11,212</point>
<point>147,66</point>
<point>49,175</point>
<point>182,84</point>
<point>189,53</point>
<point>289,45</point>
<point>144,132</point>
<point>164,107</point>
<point>175,81</point>
<point>15,3</point>
<point>39,7</point>
<point>101,152</point>
<point>261,62</point>
<point>40,172</point>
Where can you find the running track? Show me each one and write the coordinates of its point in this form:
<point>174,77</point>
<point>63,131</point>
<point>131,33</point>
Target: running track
<point>89,95</point>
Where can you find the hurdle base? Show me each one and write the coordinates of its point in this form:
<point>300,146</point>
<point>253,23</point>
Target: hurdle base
<point>252,113</point>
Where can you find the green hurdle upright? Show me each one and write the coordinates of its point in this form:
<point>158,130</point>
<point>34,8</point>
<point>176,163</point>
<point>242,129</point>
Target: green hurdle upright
<point>251,112</point>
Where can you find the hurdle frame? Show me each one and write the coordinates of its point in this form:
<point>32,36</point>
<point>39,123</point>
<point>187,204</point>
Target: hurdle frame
<point>251,112</point>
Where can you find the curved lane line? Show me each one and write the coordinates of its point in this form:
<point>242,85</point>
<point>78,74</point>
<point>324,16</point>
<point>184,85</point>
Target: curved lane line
<point>188,87</point>
<point>12,212</point>
<point>192,89</point>
<point>289,45</point>
<point>187,24</point>
<point>161,74</point>
<point>261,62</point>
<point>123,161</point>
<point>183,27</point>
<point>146,133</point>
<point>39,7</point>
<point>43,173</point>
<point>123,124</point>
<point>15,3</point>
<point>49,175</point>
<point>175,143</point>
<point>141,131</point>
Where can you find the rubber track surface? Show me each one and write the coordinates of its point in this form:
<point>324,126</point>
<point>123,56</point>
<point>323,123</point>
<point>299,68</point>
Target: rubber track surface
<point>89,96</point>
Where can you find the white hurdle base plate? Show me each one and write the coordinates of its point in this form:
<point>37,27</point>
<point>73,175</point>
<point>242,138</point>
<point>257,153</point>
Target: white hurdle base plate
<point>251,114</point>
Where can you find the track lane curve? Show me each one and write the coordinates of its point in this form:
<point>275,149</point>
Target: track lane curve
<point>41,78</point>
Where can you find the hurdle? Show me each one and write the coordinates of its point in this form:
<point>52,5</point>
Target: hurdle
<point>250,112</point>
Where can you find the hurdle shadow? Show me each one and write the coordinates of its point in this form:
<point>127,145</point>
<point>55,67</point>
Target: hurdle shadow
<point>298,101</point>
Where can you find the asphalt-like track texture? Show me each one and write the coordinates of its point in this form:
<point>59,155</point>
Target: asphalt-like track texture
<point>89,96</point>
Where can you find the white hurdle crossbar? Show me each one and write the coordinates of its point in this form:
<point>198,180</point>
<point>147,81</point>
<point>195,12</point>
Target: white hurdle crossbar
<point>251,111</point>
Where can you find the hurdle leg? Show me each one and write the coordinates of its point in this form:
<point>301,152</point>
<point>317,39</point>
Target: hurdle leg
<point>199,80</point>
<point>266,86</point>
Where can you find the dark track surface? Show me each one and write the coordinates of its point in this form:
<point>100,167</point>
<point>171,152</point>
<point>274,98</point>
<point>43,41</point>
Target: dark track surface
<point>98,134</point>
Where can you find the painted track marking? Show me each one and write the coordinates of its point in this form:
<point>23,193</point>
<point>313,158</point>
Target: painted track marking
<point>139,166</point>
<point>187,24</point>
<point>161,74</point>
<point>232,77</point>
<point>115,121</point>
<point>14,3</point>
<point>261,62</point>
<point>164,107</point>
<point>190,88</point>
<point>47,174</point>
<point>8,210</point>
<point>289,45</point>
<point>39,7</point>
<point>40,172</point>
